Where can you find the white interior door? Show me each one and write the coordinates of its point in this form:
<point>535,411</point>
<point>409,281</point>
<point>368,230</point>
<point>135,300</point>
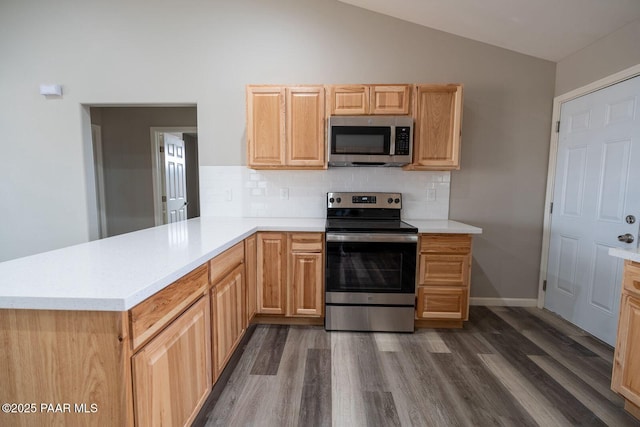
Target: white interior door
<point>597,186</point>
<point>175,179</point>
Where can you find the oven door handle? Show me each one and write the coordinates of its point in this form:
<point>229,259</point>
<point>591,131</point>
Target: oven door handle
<point>372,237</point>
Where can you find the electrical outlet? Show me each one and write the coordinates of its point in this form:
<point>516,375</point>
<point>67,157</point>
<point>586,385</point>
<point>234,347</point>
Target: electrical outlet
<point>228,194</point>
<point>431,194</point>
<point>284,194</point>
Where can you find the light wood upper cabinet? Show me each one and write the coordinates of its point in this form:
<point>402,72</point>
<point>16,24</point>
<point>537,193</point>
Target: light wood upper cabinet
<point>285,127</point>
<point>265,126</point>
<point>355,100</point>
<point>444,275</point>
<point>271,272</point>
<point>626,364</point>
<point>438,121</point>
<point>305,127</point>
<point>390,99</point>
<point>348,100</point>
<point>172,373</point>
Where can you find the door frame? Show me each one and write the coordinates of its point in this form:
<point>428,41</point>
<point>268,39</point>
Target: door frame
<point>96,138</point>
<point>157,165</point>
<point>618,77</point>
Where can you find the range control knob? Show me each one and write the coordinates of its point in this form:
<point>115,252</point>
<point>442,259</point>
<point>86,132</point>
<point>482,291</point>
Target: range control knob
<point>389,200</point>
<point>331,200</point>
<point>397,201</point>
<point>339,200</point>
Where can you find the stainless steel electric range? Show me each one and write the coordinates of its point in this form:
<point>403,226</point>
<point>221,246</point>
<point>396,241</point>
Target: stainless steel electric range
<point>370,265</point>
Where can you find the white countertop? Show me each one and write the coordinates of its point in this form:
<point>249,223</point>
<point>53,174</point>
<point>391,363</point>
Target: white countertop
<point>116,273</point>
<point>630,254</point>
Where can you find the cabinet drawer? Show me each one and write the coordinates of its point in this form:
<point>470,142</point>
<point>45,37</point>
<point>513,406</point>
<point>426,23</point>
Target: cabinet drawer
<point>631,281</point>
<point>442,303</point>
<point>152,314</point>
<point>445,243</point>
<point>222,265</point>
<point>306,242</point>
<point>444,270</point>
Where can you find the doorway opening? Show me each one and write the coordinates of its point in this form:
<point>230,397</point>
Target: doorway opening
<point>130,174</point>
<point>175,173</point>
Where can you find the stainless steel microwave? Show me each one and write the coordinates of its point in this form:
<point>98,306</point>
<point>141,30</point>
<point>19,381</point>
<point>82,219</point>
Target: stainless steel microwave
<point>369,140</point>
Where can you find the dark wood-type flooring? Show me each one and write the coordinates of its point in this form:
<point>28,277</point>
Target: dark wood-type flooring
<point>507,367</point>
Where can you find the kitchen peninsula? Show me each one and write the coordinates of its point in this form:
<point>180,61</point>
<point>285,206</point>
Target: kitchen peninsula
<point>103,326</point>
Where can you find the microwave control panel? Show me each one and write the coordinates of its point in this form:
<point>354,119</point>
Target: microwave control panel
<point>402,140</point>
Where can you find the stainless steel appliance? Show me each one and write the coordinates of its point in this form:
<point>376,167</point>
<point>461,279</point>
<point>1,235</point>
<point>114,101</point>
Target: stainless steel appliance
<point>369,140</point>
<point>370,266</point>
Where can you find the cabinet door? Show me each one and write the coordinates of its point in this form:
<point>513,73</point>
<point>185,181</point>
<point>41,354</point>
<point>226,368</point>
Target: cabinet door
<point>438,114</point>
<point>271,273</point>
<point>305,127</point>
<point>442,303</point>
<point>348,100</point>
<point>250,276</point>
<point>390,99</point>
<point>306,284</point>
<point>265,126</point>
<point>626,367</point>
<point>172,373</point>
<point>228,317</point>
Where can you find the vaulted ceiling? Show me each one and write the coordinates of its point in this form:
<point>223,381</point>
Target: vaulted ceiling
<point>547,29</point>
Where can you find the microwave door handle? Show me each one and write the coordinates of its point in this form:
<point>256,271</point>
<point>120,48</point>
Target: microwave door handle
<point>392,142</point>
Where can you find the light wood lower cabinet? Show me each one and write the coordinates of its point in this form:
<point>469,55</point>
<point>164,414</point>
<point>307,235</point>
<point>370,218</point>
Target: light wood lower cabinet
<point>251,266</point>
<point>442,303</point>
<point>444,275</point>
<point>306,274</point>
<point>54,356</point>
<point>290,274</point>
<point>171,374</point>
<point>228,304</point>
<point>228,317</point>
<point>271,273</point>
<point>626,366</point>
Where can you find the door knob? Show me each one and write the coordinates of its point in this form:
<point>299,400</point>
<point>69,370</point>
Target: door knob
<point>626,238</point>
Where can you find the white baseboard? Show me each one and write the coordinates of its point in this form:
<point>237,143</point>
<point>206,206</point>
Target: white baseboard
<point>509,302</point>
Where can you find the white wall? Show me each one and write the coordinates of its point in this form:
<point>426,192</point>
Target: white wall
<point>615,52</point>
<point>134,52</point>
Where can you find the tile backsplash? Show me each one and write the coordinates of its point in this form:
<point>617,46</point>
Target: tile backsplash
<point>236,191</point>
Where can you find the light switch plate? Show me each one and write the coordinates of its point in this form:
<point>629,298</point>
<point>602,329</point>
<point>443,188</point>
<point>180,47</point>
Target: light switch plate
<point>431,194</point>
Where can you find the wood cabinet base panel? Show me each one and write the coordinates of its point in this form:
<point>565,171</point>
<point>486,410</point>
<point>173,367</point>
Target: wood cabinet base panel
<point>51,356</point>
<point>265,319</point>
<point>632,409</point>
<point>445,324</point>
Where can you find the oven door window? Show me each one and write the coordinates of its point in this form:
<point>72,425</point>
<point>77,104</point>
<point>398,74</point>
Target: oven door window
<point>370,267</point>
<point>360,140</point>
